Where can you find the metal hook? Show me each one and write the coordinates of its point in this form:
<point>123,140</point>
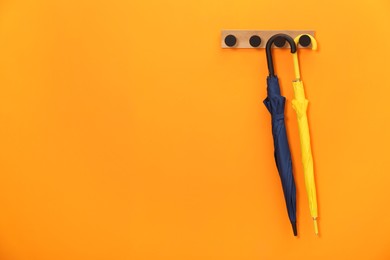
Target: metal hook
<point>269,53</point>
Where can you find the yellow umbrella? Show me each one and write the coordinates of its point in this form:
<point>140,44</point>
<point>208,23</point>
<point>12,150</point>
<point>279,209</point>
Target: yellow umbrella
<point>300,106</point>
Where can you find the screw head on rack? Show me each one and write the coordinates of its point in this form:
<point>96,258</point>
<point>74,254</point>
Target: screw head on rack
<point>304,41</point>
<point>230,40</point>
<point>280,42</point>
<point>255,41</point>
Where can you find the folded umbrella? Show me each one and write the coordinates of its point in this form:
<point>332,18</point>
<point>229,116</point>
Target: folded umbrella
<point>299,104</point>
<point>275,104</point>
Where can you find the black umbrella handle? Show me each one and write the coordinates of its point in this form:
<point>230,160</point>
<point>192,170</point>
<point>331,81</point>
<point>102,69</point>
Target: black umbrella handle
<point>269,52</point>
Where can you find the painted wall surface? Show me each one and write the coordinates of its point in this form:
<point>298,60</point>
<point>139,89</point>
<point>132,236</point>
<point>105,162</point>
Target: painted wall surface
<point>126,132</point>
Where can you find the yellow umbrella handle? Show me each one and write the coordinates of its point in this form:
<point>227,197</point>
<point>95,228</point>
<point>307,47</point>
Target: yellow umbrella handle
<point>295,55</point>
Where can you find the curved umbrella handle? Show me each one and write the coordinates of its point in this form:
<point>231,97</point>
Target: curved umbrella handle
<point>269,53</point>
<point>295,55</point>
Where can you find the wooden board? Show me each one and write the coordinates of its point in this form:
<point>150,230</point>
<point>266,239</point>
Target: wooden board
<point>243,37</point>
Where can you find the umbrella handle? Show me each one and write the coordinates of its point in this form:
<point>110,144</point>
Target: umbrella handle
<point>269,53</point>
<point>295,55</point>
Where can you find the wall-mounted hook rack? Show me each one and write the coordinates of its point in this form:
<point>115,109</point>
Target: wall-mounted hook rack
<point>243,39</point>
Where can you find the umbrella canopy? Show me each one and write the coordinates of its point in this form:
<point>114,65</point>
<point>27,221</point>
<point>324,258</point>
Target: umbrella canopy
<point>275,104</point>
<point>299,104</point>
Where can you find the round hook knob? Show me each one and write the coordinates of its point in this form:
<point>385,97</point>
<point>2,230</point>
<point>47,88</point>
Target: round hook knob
<point>255,41</point>
<point>304,41</point>
<point>230,40</point>
<point>279,42</point>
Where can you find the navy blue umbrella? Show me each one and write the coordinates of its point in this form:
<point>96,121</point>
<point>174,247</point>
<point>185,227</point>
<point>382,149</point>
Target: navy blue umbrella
<point>275,104</point>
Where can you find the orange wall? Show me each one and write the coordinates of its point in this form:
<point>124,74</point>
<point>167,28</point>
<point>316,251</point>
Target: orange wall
<point>126,132</point>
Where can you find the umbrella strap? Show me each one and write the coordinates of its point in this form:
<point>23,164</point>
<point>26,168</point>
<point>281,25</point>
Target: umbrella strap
<point>277,117</point>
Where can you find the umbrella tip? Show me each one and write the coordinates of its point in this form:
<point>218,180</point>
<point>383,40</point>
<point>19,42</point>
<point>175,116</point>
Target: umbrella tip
<point>315,226</point>
<point>294,227</point>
